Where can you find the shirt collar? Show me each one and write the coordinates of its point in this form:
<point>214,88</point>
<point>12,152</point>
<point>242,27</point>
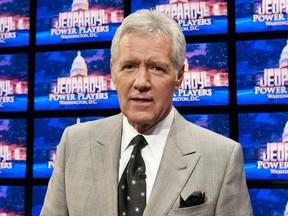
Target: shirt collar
<point>154,136</point>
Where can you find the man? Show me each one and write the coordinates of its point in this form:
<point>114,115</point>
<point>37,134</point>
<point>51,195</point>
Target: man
<point>147,64</point>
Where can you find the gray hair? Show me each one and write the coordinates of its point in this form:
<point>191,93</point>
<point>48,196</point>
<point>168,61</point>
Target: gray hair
<point>155,22</point>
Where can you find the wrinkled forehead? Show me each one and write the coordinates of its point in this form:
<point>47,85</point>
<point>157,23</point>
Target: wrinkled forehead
<point>164,41</point>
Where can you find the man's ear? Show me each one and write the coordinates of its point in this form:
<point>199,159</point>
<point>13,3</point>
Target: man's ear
<point>179,78</point>
<point>112,74</point>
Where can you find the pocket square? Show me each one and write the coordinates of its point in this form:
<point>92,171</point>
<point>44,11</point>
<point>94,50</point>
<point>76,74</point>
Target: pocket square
<point>196,198</point>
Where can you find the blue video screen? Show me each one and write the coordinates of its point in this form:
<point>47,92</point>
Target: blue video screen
<point>219,123</point>
<point>13,148</point>
<point>267,201</point>
<point>12,200</point>
<point>260,15</point>
<point>206,77</point>
<point>38,197</point>
<point>194,17</point>
<point>13,82</point>
<point>46,141</point>
<point>63,22</point>
<point>262,72</point>
<point>14,23</point>
<point>66,80</point>
<point>264,138</point>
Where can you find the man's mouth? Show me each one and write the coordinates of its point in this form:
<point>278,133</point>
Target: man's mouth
<point>142,101</point>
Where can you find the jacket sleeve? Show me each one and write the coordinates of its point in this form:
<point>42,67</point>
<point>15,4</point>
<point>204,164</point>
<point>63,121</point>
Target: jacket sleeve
<point>234,198</point>
<point>55,199</point>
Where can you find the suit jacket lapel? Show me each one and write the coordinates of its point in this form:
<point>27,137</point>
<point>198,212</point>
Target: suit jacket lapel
<point>105,158</point>
<point>177,164</point>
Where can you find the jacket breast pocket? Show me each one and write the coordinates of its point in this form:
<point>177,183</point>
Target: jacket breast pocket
<point>203,209</point>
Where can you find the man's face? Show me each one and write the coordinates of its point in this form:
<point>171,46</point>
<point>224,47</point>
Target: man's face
<point>145,79</point>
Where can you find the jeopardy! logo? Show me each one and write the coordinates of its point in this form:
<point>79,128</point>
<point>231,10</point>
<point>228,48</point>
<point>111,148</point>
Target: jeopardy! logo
<point>273,83</point>
<point>9,88</point>
<point>9,25</point>
<point>193,86</point>
<point>5,91</point>
<point>6,27</point>
<point>4,156</point>
<point>84,23</point>
<point>79,88</point>
<point>275,158</point>
<point>192,15</point>
<point>273,13</point>
<point>197,84</point>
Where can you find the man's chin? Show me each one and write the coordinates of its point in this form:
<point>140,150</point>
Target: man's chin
<point>141,122</point>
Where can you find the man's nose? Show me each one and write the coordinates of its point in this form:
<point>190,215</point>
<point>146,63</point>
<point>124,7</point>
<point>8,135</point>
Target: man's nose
<point>142,79</point>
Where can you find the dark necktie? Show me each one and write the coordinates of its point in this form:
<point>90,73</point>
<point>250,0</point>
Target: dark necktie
<point>132,185</point>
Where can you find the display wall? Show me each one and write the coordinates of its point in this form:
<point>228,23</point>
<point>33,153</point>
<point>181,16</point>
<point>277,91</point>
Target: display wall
<point>54,72</point>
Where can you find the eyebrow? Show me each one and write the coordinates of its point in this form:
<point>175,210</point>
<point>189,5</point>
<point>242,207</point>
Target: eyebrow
<point>149,61</point>
<point>158,63</point>
<point>129,61</point>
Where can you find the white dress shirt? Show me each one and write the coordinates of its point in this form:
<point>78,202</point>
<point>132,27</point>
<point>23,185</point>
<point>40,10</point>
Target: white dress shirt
<point>152,153</point>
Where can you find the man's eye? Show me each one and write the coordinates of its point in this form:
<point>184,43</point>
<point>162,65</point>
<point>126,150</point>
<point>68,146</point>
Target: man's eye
<point>157,69</point>
<point>128,67</point>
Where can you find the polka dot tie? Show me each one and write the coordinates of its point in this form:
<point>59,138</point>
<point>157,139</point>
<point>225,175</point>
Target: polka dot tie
<point>132,185</point>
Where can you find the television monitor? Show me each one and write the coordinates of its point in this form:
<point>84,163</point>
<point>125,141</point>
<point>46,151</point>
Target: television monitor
<point>260,15</point>
<point>262,72</point>
<point>264,138</point>
<point>45,142</point>
<point>13,148</point>
<point>205,80</point>
<point>12,200</point>
<point>219,123</point>
<point>38,195</point>
<point>269,201</point>
<point>73,21</point>
<point>13,82</point>
<point>14,23</point>
<point>74,79</point>
<point>194,17</point>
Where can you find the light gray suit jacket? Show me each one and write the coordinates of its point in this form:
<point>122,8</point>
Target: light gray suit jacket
<point>85,177</point>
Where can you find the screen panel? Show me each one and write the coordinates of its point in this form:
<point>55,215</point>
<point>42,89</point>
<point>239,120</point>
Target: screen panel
<point>12,200</point>
<point>205,80</point>
<point>13,82</point>
<point>66,80</point>
<point>194,17</point>
<point>260,15</point>
<point>45,142</point>
<point>62,22</point>
<point>39,193</point>
<point>13,148</point>
<point>264,138</point>
<point>219,123</point>
<point>14,23</point>
<point>268,201</point>
<point>262,72</point>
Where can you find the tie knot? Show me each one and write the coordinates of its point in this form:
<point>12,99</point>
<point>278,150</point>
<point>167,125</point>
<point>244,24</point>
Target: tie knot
<point>139,141</point>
